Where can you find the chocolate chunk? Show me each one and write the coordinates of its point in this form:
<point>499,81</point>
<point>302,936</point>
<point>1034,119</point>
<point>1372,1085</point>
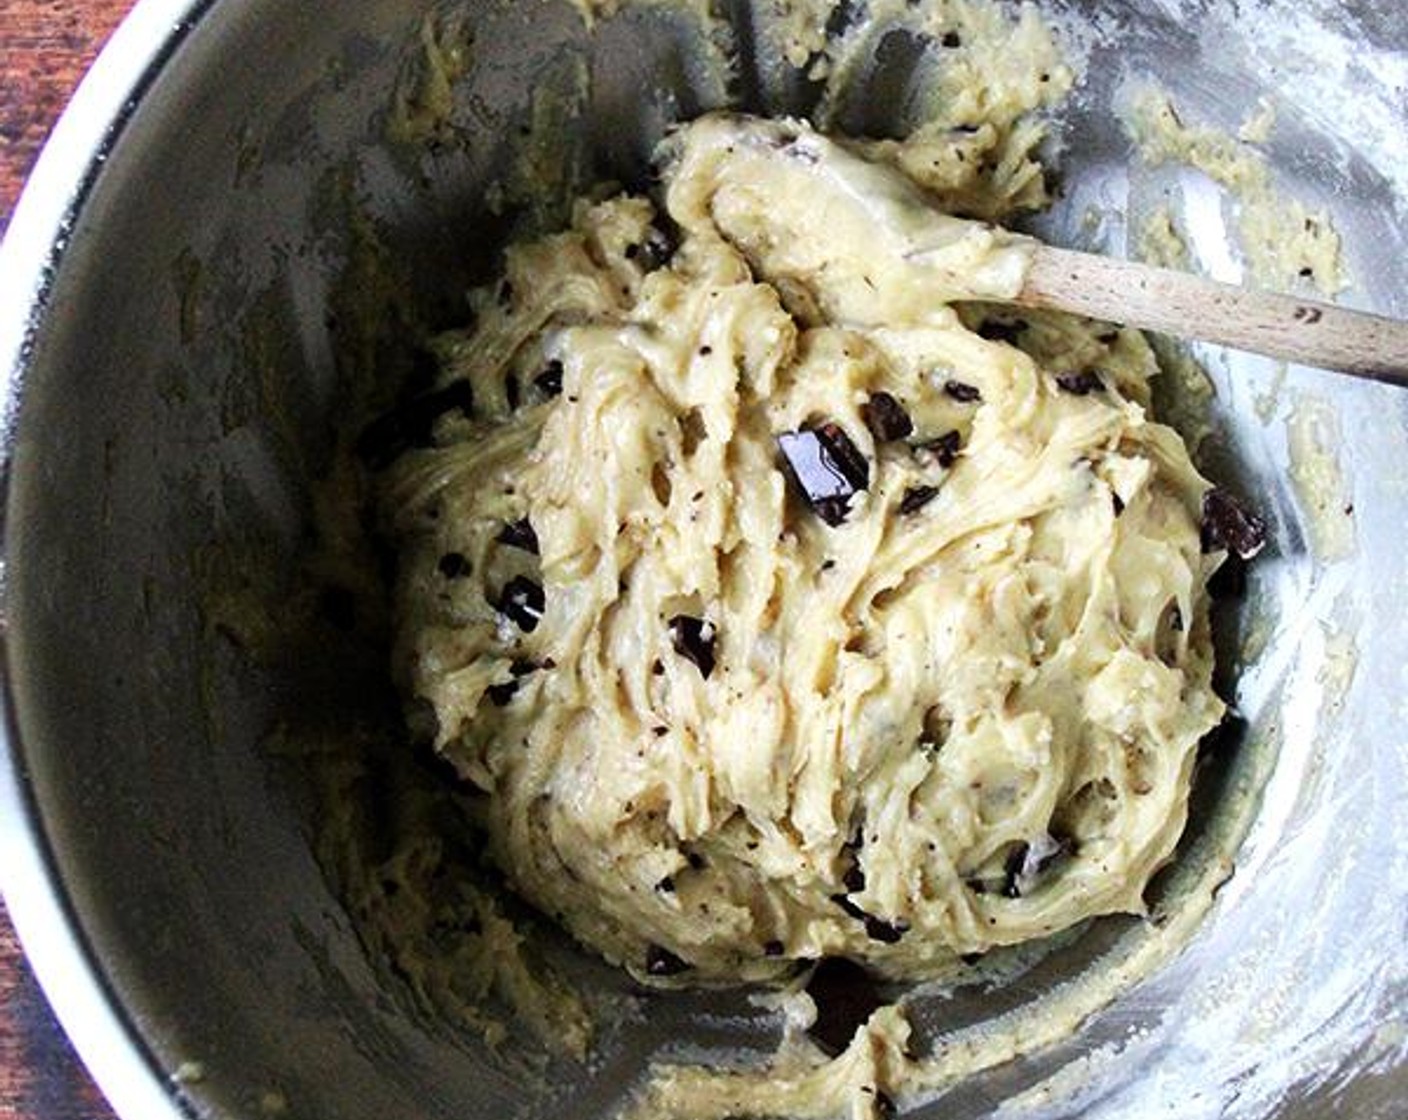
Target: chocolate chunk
<point>501,694</point>
<point>666,885</point>
<point>774,948</point>
<point>1227,524</point>
<point>411,424</point>
<point>943,451</point>
<point>523,603</point>
<point>888,933</point>
<point>1080,384</point>
<point>826,467</point>
<point>694,639</point>
<point>998,330</point>
<point>519,534</point>
<point>658,248</point>
<point>886,418</point>
<point>916,498</point>
<point>1027,861</point>
<point>549,382</point>
<point>696,861</point>
<point>963,392</point>
<point>952,40</point>
<point>659,961</point>
<point>854,879</point>
<point>877,929</point>
<point>846,996</point>
<point>454,565</point>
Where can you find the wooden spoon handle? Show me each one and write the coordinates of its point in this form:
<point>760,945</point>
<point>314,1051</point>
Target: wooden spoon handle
<point>1160,299</point>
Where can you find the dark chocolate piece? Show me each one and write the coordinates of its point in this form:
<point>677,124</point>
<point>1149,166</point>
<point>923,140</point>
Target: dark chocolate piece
<point>916,498</point>
<point>519,534</point>
<point>666,885</point>
<point>886,418</point>
<point>549,382</point>
<point>694,639</point>
<point>952,40</point>
<point>963,392</point>
<point>454,565</point>
<point>854,879</point>
<point>827,468</point>
<point>1026,862</point>
<point>846,996</point>
<point>774,948</point>
<point>659,961</point>
<point>501,694</point>
<point>943,450</point>
<point>411,424</point>
<point>658,248</point>
<point>523,603</point>
<point>1080,384</point>
<point>877,929</point>
<point>1227,524</point>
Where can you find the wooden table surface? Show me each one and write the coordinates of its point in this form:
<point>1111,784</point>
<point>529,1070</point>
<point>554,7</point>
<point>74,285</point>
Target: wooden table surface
<point>45,46</point>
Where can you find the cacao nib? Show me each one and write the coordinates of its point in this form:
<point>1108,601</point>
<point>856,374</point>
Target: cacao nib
<point>963,392</point>
<point>943,450</point>
<point>846,995</point>
<point>1080,384</point>
<point>659,961</point>
<point>523,603</point>
<point>886,418</point>
<point>694,640</point>
<point>916,498</point>
<point>1229,524</point>
<point>827,469</point>
<point>549,382</point>
<point>519,534</point>
<point>411,424</point>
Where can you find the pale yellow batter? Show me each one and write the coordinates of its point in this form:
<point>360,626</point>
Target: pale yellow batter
<point>721,725</point>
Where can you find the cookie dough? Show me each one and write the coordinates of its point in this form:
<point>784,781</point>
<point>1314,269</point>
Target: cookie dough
<point>779,605</point>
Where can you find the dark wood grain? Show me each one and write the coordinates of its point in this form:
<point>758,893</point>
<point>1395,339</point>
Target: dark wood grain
<point>45,46</point>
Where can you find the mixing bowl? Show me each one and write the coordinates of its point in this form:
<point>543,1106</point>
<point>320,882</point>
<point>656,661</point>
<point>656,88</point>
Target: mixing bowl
<point>177,280</point>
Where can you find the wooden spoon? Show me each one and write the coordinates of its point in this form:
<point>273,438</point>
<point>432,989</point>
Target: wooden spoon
<point>810,213</point>
<point>1300,330</point>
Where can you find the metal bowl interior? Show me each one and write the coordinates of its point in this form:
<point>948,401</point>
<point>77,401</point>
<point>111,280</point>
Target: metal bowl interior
<point>184,272</point>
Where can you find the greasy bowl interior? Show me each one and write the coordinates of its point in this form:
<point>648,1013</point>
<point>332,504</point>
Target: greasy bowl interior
<point>186,330</point>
